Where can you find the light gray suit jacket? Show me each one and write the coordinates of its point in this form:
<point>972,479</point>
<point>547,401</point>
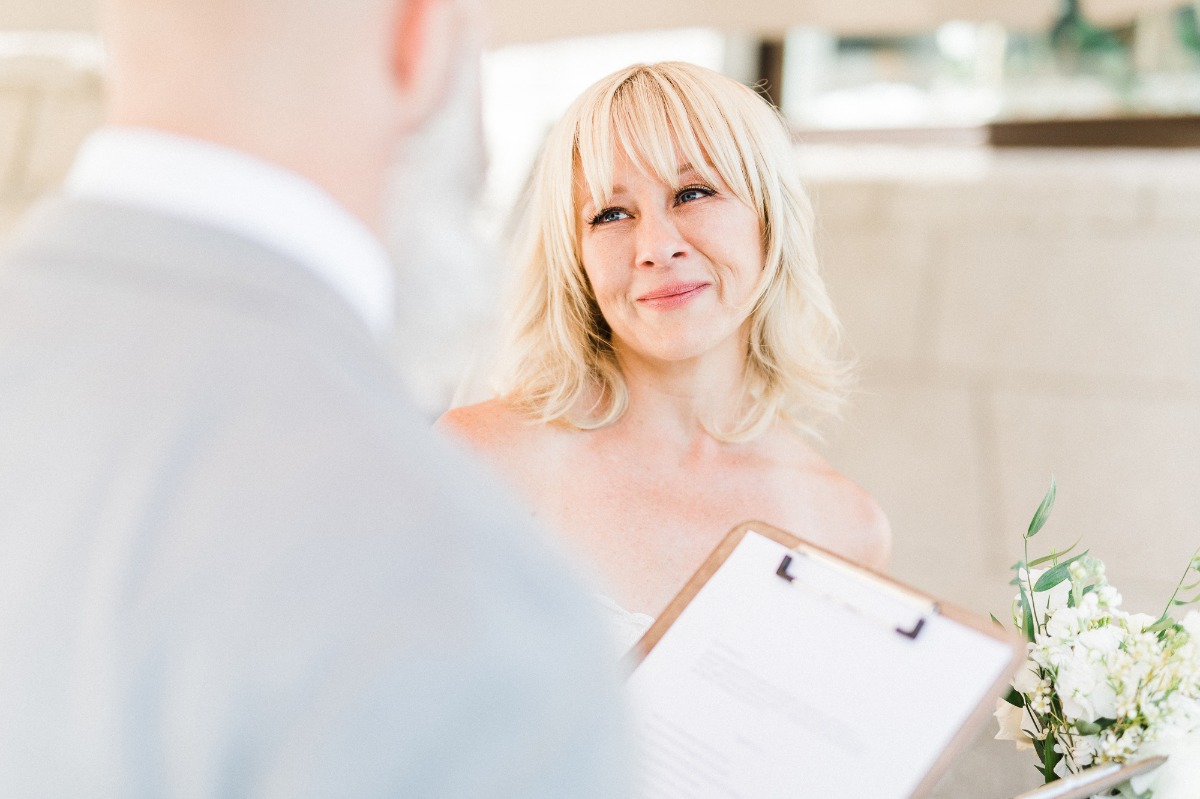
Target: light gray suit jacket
<point>234,562</point>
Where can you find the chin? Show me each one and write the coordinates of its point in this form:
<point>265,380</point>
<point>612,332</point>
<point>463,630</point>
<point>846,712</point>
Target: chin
<point>680,351</point>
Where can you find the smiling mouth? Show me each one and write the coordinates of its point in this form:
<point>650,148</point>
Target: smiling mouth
<point>672,295</point>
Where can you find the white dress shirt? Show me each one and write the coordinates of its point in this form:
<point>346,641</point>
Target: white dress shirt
<point>218,186</point>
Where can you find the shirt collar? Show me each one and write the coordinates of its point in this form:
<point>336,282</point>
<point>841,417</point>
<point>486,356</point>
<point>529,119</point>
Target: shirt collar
<point>225,188</point>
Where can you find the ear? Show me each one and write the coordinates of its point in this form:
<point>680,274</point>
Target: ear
<point>427,38</point>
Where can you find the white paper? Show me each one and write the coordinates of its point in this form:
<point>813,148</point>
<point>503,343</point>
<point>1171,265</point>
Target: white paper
<point>767,688</point>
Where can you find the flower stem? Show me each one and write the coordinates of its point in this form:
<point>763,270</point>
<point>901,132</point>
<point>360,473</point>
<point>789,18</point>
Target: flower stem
<point>1178,586</point>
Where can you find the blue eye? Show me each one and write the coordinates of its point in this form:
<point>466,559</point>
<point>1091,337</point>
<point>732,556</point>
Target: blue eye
<point>609,215</point>
<point>693,193</point>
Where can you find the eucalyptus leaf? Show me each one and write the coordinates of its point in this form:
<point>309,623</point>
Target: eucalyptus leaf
<point>1057,574</point>
<point>1043,511</point>
<point>1165,622</point>
<point>1054,555</point>
<point>1087,727</point>
<point>1014,698</point>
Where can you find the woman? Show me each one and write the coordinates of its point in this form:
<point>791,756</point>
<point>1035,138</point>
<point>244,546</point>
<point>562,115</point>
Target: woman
<point>671,341</point>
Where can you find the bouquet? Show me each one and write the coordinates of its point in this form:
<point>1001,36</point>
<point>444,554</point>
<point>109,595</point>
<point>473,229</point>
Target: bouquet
<point>1100,685</point>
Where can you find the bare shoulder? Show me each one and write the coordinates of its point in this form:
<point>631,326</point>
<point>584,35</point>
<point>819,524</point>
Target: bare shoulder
<point>856,525</point>
<point>867,530</point>
<point>494,429</point>
<point>503,436</point>
<point>484,425</point>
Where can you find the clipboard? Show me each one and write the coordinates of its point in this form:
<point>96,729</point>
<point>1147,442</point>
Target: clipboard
<point>1094,780</point>
<point>782,670</point>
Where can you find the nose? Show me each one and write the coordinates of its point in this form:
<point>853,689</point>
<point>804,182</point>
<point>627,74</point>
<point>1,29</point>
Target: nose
<point>659,240</point>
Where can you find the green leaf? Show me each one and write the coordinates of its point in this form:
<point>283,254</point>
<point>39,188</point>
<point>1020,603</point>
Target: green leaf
<point>1194,598</point>
<point>1056,575</point>
<point>1054,554</point>
<point>1087,727</point>
<point>1016,570</point>
<point>1027,616</point>
<point>1043,511</point>
<point>996,621</point>
<point>1164,622</point>
<point>1050,760</point>
<point>1014,698</point>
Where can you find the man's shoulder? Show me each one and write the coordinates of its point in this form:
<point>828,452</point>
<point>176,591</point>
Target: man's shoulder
<point>162,258</point>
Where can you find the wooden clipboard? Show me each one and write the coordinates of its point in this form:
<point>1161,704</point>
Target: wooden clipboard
<point>715,696</point>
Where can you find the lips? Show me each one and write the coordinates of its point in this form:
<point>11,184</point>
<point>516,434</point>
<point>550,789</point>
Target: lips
<point>673,294</point>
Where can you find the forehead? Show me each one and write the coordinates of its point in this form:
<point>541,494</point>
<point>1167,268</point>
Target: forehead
<point>597,175</point>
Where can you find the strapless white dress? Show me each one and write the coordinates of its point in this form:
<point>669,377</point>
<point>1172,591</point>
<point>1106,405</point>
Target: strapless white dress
<point>625,627</point>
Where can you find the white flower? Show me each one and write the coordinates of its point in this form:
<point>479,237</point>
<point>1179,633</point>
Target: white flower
<point>1137,622</point>
<point>1028,678</point>
<point>1191,624</point>
<point>1105,640</point>
<point>1013,721</point>
<point>1179,776</point>
<point>1066,623</point>
<point>1090,661</point>
<point>1083,689</point>
<point>1109,597</point>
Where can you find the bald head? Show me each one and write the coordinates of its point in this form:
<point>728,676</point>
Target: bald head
<point>326,88</point>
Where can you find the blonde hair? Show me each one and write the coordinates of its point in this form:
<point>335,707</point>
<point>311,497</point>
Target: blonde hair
<point>559,363</point>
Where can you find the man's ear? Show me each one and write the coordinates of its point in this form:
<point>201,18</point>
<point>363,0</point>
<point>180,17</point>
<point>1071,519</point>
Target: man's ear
<point>426,41</point>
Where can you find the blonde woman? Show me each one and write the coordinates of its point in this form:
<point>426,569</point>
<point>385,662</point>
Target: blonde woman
<point>672,341</point>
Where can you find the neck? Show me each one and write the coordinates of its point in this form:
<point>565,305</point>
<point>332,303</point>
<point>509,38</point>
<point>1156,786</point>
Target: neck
<point>683,401</point>
<point>354,176</point>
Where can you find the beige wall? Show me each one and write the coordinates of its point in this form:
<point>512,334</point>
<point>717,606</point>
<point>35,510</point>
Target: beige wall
<point>48,15</point>
<point>1018,315</point>
<point>47,106</point>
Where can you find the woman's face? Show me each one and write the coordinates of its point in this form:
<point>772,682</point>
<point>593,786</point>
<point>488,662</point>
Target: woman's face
<point>674,266</point>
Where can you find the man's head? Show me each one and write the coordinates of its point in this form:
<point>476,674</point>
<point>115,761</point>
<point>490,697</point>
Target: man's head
<point>326,88</point>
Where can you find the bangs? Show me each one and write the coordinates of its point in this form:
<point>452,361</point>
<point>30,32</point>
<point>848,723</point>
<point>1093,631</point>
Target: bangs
<point>630,119</point>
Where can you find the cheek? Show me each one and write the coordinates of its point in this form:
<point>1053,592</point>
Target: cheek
<point>600,269</point>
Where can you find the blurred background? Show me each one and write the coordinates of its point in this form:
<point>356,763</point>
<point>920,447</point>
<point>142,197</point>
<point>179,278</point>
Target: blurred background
<point>1008,204</point>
